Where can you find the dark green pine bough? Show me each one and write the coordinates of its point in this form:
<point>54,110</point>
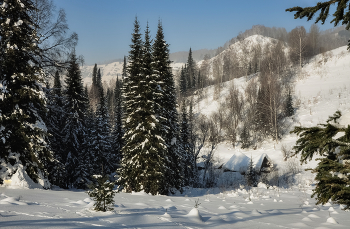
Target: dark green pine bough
<point>342,13</point>
<point>333,169</point>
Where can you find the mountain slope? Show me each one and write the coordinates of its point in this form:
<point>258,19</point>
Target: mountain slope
<point>320,89</point>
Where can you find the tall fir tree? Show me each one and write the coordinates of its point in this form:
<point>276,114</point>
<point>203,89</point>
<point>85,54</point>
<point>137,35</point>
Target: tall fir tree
<point>191,71</point>
<point>124,71</point>
<point>101,141</point>
<point>94,94</point>
<point>183,82</point>
<point>110,104</point>
<point>75,127</point>
<point>94,75</point>
<point>142,166</point>
<point>188,166</point>
<point>99,81</point>
<point>166,110</point>
<point>289,109</point>
<point>251,174</point>
<point>22,101</point>
<point>55,124</point>
<point>117,130</point>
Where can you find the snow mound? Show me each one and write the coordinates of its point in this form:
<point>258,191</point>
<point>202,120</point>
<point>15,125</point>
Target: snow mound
<point>166,215</point>
<point>262,185</point>
<point>142,193</point>
<point>331,220</point>
<point>88,200</point>
<point>222,208</point>
<point>313,216</point>
<point>12,200</point>
<point>21,180</point>
<point>306,219</point>
<point>275,212</point>
<point>195,215</point>
<point>79,202</point>
<point>255,212</point>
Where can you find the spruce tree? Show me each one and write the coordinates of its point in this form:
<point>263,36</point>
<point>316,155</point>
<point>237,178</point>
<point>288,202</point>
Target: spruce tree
<point>245,137</point>
<point>289,110</point>
<point>23,137</point>
<point>55,125</point>
<point>166,110</point>
<point>124,71</point>
<point>183,82</point>
<point>188,167</point>
<point>191,70</point>
<point>110,105</point>
<point>101,141</point>
<point>333,169</point>
<point>94,75</point>
<point>101,191</point>
<point>94,94</point>
<point>117,131</point>
<point>142,166</point>
<point>99,81</point>
<point>75,128</point>
<point>199,80</point>
<point>251,174</point>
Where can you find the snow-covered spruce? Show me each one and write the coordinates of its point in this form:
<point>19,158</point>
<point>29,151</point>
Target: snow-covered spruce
<point>102,192</point>
<point>23,132</point>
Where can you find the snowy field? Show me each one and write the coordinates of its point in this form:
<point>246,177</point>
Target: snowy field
<point>320,89</point>
<point>292,208</point>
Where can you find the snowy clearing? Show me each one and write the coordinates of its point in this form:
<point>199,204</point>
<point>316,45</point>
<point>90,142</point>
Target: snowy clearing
<point>291,208</point>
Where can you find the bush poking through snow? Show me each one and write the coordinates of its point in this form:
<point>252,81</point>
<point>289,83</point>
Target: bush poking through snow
<point>196,203</point>
<point>101,191</point>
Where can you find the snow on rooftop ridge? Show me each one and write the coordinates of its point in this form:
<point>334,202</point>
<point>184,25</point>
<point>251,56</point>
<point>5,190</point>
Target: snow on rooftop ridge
<point>237,162</point>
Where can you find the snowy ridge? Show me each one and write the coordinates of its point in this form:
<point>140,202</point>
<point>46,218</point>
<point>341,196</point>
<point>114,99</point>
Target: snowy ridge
<point>108,71</point>
<point>320,89</point>
<point>111,71</point>
<point>243,50</point>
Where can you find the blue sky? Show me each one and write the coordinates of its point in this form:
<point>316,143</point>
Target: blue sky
<point>105,26</point>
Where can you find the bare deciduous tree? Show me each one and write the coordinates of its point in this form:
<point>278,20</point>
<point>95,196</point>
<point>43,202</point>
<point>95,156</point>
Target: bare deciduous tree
<point>54,40</point>
<point>298,45</point>
<point>234,106</point>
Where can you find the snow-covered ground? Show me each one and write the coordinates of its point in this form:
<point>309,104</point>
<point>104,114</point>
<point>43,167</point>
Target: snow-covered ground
<point>268,208</point>
<point>320,89</point>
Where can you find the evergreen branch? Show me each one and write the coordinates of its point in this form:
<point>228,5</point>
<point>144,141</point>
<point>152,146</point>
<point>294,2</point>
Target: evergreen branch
<point>309,12</point>
<point>340,142</point>
<point>319,140</point>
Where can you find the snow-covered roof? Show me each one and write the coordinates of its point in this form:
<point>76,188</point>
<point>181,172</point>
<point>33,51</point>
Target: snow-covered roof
<point>237,161</point>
